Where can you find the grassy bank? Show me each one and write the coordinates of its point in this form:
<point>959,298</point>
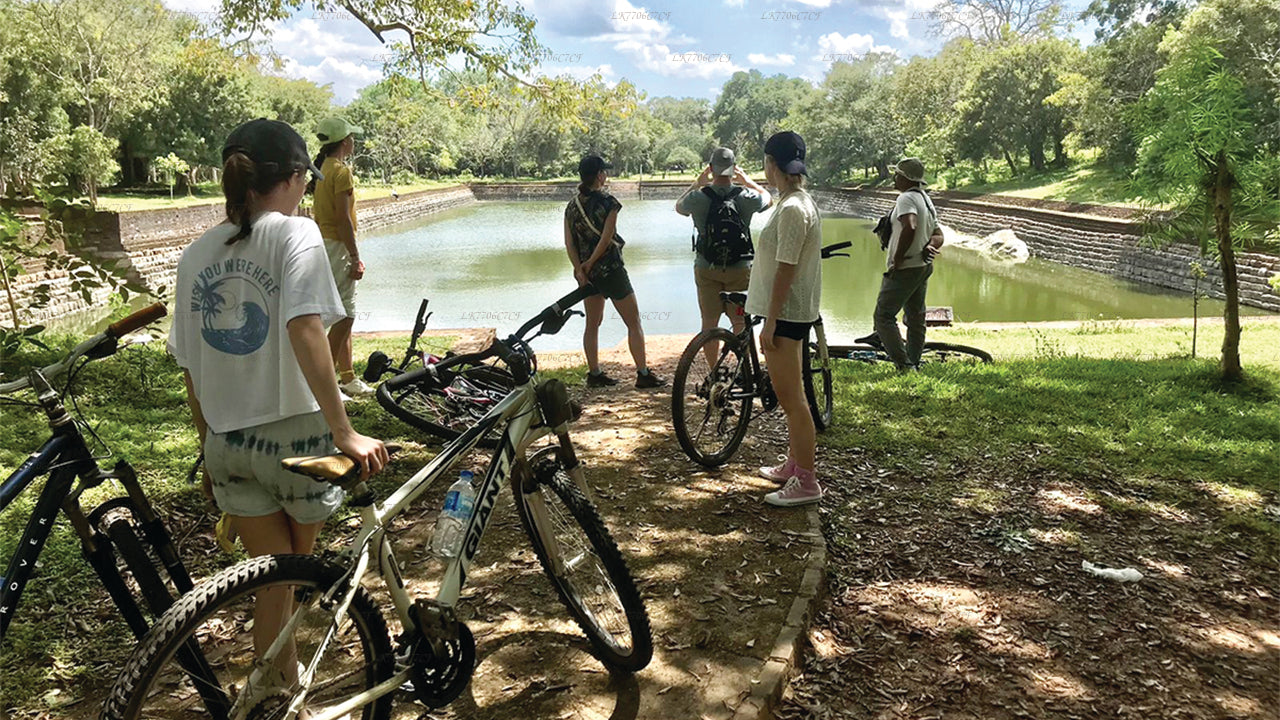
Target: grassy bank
<point>1113,410</point>
<point>211,194</point>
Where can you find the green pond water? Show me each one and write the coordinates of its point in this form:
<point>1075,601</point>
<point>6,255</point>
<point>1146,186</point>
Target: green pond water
<point>494,264</point>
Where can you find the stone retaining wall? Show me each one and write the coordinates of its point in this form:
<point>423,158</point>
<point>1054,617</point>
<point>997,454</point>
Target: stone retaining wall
<point>148,244</point>
<point>1102,244</point>
<point>564,191</point>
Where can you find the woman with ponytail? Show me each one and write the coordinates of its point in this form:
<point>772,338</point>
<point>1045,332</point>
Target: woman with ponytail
<point>253,297</point>
<point>785,289</point>
<point>335,212</point>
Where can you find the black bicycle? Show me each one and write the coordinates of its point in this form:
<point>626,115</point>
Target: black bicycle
<point>123,539</point>
<point>712,402</point>
<point>445,403</point>
<point>869,349</point>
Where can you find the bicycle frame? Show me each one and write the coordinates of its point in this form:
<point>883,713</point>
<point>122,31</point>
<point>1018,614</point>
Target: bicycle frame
<point>518,411</point>
<point>65,458</point>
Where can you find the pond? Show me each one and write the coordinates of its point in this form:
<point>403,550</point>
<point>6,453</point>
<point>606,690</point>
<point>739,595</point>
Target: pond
<point>493,264</point>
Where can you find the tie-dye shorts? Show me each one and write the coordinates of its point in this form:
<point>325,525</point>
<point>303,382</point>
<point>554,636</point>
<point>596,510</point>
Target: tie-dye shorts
<point>248,480</point>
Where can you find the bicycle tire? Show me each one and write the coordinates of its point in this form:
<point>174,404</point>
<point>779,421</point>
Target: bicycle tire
<point>181,624</point>
<point>680,397</point>
<point>425,406</point>
<point>935,352</point>
<point>549,473</point>
<point>818,386</point>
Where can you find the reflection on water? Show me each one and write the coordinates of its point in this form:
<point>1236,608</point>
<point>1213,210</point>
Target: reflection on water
<point>496,263</point>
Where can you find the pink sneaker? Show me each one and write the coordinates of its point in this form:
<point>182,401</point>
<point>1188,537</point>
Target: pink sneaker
<point>779,473</point>
<point>795,492</point>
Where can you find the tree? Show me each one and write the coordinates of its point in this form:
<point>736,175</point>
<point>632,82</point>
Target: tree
<point>851,124</point>
<point>1209,145</point>
<point>751,107</point>
<point>171,166</point>
<point>1006,103</point>
<point>997,21</point>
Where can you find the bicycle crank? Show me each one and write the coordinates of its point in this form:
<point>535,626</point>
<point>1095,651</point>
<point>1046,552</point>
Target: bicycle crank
<point>443,655</point>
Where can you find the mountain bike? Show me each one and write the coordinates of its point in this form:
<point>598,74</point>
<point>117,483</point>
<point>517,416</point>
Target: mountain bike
<point>447,402</point>
<point>348,666</point>
<point>123,539</point>
<point>711,405</point>
<point>869,349</point>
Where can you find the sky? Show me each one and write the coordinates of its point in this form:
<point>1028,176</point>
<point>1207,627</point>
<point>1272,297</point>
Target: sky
<point>685,48</point>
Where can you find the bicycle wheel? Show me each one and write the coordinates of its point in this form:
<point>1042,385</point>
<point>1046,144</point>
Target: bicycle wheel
<point>431,408</point>
<point>584,564</point>
<point>709,407</point>
<point>817,380</point>
<point>213,617</point>
<point>938,352</point>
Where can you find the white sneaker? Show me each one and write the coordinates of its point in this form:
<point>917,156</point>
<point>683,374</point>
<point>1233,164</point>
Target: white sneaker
<point>356,388</point>
<point>345,398</point>
<point>778,473</point>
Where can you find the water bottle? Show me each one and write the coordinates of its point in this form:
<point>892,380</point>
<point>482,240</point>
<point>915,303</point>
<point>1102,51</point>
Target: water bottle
<point>454,516</point>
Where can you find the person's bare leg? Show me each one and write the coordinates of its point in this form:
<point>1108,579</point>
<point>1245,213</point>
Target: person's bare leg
<point>629,310</point>
<point>784,369</point>
<point>340,348</point>
<point>275,534</point>
<point>594,307</point>
<point>711,318</point>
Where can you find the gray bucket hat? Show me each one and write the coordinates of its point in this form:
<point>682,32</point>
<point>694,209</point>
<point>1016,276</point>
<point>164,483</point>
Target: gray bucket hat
<point>912,169</point>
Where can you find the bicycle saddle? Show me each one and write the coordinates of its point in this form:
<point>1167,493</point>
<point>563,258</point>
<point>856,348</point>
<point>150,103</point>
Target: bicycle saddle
<point>736,298</point>
<point>336,468</point>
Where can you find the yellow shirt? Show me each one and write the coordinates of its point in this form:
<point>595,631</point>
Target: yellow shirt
<point>331,197</point>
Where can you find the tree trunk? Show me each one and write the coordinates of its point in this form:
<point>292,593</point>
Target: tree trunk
<point>1223,181</point>
<point>1035,155</point>
<point>1009,159</point>
<point>882,169</point>
<point>1059,152</point>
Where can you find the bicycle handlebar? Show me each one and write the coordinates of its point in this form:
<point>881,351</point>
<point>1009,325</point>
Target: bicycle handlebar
<point>114,331</point>
<point>551,319</point>
<point>830,250</point>
<point>140,319</point>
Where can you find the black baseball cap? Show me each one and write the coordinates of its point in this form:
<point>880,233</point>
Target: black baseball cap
<point>272,144</point>
<point>787,150</point>
<point>591,165</point>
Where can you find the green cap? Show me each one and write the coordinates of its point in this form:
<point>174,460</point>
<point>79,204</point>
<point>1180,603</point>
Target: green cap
<point>332,129</point>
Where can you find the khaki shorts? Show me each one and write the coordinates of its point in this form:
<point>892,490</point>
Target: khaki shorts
<point>712,281</point>
<point>340,262</point>
<point>248,480</point>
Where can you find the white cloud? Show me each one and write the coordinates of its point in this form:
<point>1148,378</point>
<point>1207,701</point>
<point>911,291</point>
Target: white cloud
<point>815,3</point>
<point>661,59</point>
<point>781,59</point>
<point>835,45</point>
<point>328,37</point>
<point>345,77</point>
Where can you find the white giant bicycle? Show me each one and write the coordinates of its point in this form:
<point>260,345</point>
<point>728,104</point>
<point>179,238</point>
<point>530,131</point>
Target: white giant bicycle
<point>347,665</point>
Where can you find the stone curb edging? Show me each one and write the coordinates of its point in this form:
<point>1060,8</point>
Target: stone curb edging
<point>766,688</point>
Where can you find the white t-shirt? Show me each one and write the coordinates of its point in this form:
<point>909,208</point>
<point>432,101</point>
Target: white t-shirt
<point>792,235</point>
<point>232,303</point>
<point>915,203</point>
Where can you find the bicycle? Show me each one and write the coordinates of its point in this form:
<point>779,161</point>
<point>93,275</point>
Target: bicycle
<point>729,386</point>
<point>444,404</point>
<point>869,349</point>
<point>123,531</point>
<point>338,633</point>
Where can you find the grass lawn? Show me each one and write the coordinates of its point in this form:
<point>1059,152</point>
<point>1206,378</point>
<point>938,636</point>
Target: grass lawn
<point>211,194</point>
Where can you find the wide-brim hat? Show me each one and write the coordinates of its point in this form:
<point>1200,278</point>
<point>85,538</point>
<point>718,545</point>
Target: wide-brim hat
<point>910,168</point>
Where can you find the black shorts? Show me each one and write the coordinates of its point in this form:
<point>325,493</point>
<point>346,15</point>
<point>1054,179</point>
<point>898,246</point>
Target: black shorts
<point>614,285</point>
<point>792,330</point>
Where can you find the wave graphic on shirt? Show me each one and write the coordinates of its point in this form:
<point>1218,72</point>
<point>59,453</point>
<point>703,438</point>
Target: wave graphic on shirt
<point>231,324</point>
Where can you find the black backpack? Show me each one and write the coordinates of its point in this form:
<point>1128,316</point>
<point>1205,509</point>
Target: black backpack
<point>884,228</point>
<point>727,239</point>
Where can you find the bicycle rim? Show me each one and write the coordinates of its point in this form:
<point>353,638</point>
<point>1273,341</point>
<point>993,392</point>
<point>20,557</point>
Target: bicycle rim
<point>709,408</point>
<point>212,621</point>
<point>818,386</point>
<point>938,352</point>
<point>590,576</point>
